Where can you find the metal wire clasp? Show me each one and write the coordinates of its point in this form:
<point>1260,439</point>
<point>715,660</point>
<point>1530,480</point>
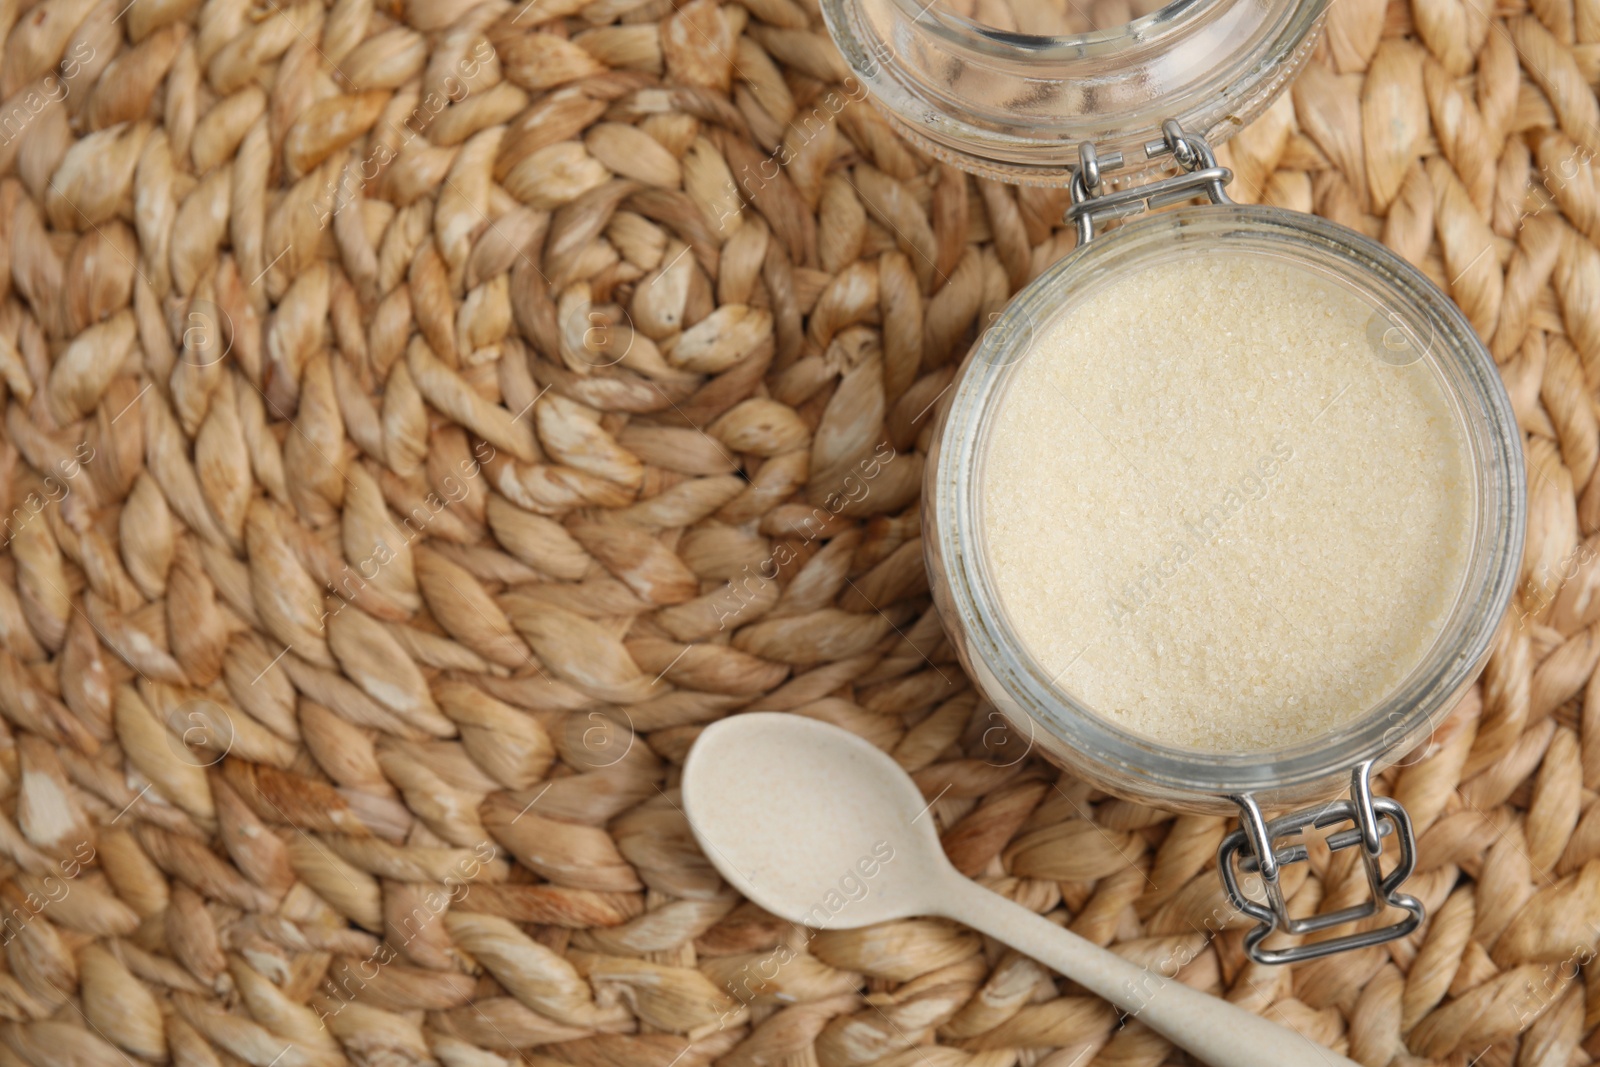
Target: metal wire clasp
<point>1253,848</point>
<point>1200,176</point>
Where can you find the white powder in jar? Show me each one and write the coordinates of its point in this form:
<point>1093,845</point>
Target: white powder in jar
<point>1217,512</point>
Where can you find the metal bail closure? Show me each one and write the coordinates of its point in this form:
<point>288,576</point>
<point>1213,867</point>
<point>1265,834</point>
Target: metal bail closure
<point>1253,848</point>
<point>1199,176</point>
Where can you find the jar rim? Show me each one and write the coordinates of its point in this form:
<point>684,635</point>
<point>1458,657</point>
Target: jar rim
<point>1015,106</point>
<point>1112,755</point>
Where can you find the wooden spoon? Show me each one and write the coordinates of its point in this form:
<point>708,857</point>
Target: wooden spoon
<point>820,828</point>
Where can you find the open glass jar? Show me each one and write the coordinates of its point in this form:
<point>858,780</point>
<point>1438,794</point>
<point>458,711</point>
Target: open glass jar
<point>1126,116</point>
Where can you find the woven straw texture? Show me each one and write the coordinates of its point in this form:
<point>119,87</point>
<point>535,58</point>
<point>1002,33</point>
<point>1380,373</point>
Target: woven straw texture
<point>413,437</point>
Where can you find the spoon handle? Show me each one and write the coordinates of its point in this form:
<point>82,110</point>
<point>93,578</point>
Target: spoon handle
<point>1219,1033</point>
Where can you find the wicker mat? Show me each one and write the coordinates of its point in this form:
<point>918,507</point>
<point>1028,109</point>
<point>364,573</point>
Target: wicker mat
<point>412,440</point>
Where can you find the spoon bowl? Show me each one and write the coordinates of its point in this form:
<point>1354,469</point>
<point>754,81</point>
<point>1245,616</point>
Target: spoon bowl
<point>821,828</point>
<point>858,847</point>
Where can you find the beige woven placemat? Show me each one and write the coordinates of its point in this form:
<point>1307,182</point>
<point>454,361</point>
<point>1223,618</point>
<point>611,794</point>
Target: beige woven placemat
<point>412,439</point>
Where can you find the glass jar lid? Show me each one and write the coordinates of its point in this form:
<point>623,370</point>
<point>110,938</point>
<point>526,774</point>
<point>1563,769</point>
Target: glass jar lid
<point>1009,88</point>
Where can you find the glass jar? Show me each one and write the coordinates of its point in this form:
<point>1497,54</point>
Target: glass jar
<point>1415,317</point>
<point>1102,111</point>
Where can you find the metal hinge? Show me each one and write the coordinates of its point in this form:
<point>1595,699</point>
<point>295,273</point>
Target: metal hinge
<point>1200,176</point>
<point>1253,848</point>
